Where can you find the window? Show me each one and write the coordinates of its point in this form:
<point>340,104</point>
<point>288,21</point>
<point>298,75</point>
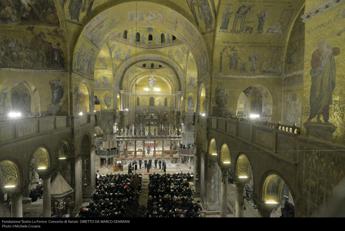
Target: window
<point>150,37</point>
<point>137,37</point>
<point>162,38</point>
<point>125,34</point>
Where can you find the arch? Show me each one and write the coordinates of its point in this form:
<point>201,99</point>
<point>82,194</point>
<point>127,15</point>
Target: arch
<point>96,36</point>
<point>255,102</point>
<point>150,38</point>
<point>225,155</point>
<point>64,151</point>
<point>162,38</point>
<point>154,56</point>
<point>276,193</point>
<point>21,98</point>
<point>212,148</point>
<point>137,37</point>
<point>41,160</point>
<point>9,176</point>
<point>125,34</point>
<point>243,169</point>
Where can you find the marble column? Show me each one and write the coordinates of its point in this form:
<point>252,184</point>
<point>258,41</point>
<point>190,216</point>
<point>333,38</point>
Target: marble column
<point>78,189</point>
<point>239,202</point>
<point>154,148</point>
<point>17,205</point>
<point>144,148</point>
<point>47,200</point>
<point>135,148</point>
<point>162,147</point>
<point>224,205</point>
<point>93,170</point>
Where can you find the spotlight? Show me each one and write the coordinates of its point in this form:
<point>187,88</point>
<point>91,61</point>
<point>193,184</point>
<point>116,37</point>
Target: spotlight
<point>62,158</point>
<point>42,168</point>
<point>14,115</point>
<point>271,202</point>
<point>9,186</point>
<point>81,113</point>
<point>254,116</point>
<point>126,109</point>
<point>227,162</point>
<point>243,177</point>
<point>203,114</point>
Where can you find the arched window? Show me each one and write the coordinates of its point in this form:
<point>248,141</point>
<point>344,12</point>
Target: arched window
<point>152,65</point>
<point>138,101</point>
<point>125,34</point>
<point>162,38</point>
<point>150,37</point>
<point>144,65</point>
<point>137,37</point>
<point>173,38</point>
<point>21,98</point>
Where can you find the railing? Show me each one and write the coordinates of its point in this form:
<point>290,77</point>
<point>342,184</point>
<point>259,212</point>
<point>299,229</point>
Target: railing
<point>275,138</point>
<point>15,129</point>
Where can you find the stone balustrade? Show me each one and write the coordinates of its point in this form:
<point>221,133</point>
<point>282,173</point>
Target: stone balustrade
<point>274,138</point>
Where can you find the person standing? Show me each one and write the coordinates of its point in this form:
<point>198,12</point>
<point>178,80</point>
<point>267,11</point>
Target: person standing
<point>156,163</point>
<point>164,167</point>
<point>140,163</point>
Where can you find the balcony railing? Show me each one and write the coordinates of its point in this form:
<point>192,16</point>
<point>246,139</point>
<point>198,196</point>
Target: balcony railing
<point>275,138</point>
<point>19,128</point>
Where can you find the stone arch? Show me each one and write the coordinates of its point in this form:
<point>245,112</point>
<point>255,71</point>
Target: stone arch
<point>91,33</point>
<point>243,168</point>
<point>24,97</point>
<point>225,156</point>
<point>255,100</point>
<point>212,148</point>
<point>122,69</point>
<point>275,193</point>
<point>10,176</point>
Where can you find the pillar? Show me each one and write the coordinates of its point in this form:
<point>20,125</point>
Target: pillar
<point>162,147</point>
<point>17,205</point>
<point>154,148</point>
<point>47,200</point>
<point>144,148</point>
<point>78,189</point>
<point>239,202</point>
<point>224,205</point>
<point>93,169</point>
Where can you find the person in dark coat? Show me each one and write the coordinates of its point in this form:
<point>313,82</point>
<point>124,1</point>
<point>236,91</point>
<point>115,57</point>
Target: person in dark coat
<point>160,164</point>
<point>140,163</point>
<point>145,164</point>
<point>156,163</point>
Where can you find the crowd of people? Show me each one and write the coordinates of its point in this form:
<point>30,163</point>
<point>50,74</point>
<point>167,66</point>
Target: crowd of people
<point>36,193</point>
<point>116,196</point>
<point>135,165</point>
<point>170,195</point>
